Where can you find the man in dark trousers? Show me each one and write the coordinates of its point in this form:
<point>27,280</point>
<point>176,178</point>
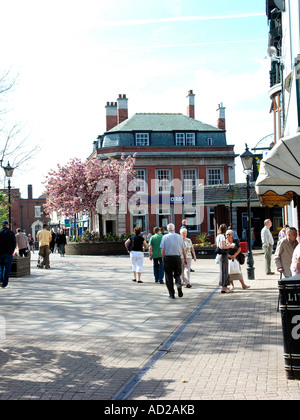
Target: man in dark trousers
<point>172,247</point>
<point>7,248</point>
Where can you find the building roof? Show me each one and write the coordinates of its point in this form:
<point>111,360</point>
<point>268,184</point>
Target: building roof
<point>215,195</point>
<point>162,122</point>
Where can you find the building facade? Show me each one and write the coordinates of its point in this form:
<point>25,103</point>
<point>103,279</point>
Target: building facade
<point>174,154</point>
<point>27,213</point>
<point>284,50</point>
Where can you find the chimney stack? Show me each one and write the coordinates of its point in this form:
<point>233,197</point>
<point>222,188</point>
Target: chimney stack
<point>221,120</point>
<point>111,115</point>
<point>29,189</point>
<point>191,104</point>
<point>122,108</point>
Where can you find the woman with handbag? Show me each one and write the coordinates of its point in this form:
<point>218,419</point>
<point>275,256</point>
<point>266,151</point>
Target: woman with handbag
<point>223,258</point>
<point>235,272</point>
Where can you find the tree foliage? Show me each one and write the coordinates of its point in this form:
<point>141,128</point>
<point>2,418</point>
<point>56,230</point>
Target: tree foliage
<point>76,186</point>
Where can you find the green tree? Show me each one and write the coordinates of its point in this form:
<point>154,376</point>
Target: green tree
<point>3,207</point>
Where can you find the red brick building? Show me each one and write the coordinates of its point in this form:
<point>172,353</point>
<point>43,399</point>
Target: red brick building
<point>27,213</point>
<point>175,153</point>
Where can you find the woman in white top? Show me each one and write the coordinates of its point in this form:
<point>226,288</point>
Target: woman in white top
<point>223,259</point>
<point>190,254</point>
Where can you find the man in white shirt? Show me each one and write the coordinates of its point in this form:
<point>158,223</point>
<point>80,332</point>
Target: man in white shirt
<point>267,245</point>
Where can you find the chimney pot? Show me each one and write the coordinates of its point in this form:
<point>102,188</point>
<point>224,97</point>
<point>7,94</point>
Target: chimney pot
<point>122,108</point>
<point>191,104</point>
<point>111,115</point>
<point>221,120</point>
<point>29,189</point>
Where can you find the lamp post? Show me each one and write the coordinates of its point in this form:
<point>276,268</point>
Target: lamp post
<point>230,194</point>
<point>247,161</point>
<point>9,170</point>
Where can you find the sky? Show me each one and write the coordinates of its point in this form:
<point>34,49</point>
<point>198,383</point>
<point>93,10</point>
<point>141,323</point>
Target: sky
<point>71,57</point>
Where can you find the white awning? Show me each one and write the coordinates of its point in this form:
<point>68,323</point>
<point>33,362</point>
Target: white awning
<point>279,173</point>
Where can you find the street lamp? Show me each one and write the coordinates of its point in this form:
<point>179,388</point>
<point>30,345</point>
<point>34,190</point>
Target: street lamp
<point>9,170</point>
<point>230,194</point>
<point>247,162</point>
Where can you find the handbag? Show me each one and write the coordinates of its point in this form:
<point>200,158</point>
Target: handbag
<point>241,258</point>
<point>234,267</point>
<point>217,259</point>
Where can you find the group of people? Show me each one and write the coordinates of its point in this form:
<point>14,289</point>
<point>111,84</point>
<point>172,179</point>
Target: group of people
<point>171,253</point>
<point>286,258</point>
<point>229,259</point>
<point>287,253</point>
<point>58,242</point>
<point>9,242</point>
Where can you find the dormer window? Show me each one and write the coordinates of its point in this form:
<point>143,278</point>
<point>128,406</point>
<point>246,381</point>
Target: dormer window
<point>142,139</point>
<point>185,139</point>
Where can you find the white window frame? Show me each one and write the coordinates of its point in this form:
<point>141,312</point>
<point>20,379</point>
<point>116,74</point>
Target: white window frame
<point>141,184</point>
<point>142,139</point>
<point>161,177</point>
<point>180,139</point>
<point>190,139</point>
<point>210,214</point>
<point>190,180</point>
<point>216,179</point>
<point>185,139</point>
<point>37,211</point>
<point>188,214</point>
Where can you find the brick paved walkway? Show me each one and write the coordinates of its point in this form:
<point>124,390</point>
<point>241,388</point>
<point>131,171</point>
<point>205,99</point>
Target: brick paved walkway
<point>82,329</point>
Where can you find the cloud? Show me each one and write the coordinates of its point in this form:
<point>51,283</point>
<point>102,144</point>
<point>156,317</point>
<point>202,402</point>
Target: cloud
<point>193,44</point>
<point>175,19</point>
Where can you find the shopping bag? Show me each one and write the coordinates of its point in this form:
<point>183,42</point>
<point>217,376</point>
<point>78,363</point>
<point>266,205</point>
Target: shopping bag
<point>234,267</point>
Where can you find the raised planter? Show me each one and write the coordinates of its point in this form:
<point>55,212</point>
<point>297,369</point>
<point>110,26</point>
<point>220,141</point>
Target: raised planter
<point>96,248</point>
<point>20,267</point>
<point>207,252</point>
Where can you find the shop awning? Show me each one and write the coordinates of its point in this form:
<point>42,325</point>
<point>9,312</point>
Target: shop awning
<point>279,173</point>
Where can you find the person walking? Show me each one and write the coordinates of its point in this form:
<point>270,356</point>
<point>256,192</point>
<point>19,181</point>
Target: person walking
<point>233,256</point>
<point>224,281</point>
<point>53,241</point>
<point>185,225</point>
<point>44,237</point>
<point>267,245</point>
<point>7,248</point>
<point>61,242</point>
<point>155,255</point>
<point>22,243</point>
<point>284,252</point>
<point>136,246</point>
<point>190,255</point>
<point>172,247</point>
<point>31,243</point>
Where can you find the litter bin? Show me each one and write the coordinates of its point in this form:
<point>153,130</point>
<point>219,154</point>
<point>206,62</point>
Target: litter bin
<point>289,305</point>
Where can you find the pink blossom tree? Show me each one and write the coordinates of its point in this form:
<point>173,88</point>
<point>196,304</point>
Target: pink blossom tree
<point>77,186</point>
